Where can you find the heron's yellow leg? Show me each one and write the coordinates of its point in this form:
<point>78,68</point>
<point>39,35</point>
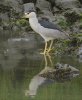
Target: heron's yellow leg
<point>45,49</point>
<point>46,62</point>
<point>50,47</point>
<point>50,59</point>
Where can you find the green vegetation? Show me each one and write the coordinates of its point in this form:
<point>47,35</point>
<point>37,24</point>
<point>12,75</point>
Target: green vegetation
<point>71,17</point>
<point>0,21</point>
<point>69,46</point>
<point>80,21</point>
<point>63,23</point>
<point>4,8</point>
<point>21,22</point>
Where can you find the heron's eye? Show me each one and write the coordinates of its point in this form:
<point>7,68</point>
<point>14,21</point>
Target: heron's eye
<point>27,13</point>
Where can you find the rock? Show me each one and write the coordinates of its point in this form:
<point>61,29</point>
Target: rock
<point>79,51</point>
<point>43,5</point>
<point>28,1</point>
<point>79,54</point>
<point>78,10</point>
<point>45,9</point>
<point>77,27</point>
<point>55,9</point>
<point>67,4</point>
<point>4,17</point>
<point>60,20</point>
<point>9,12</point>
<point>80,1</point>
<point>61,72</point>
<point>1,28</point>
<point>71,16</point>
<point>52,2</point>
<point>15,28</point>
<point>15,4</point>
<point>28,6</point>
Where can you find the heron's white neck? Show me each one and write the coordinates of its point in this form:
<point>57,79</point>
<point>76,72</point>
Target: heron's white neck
<point>33,19</point>
<point>34,24</point>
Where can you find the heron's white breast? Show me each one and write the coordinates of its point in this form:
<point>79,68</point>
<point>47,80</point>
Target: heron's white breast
<point>46,33</point>
<point>34,24</point>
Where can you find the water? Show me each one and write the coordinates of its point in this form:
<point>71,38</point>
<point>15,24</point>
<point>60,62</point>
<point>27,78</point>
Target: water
<point>23,71</point>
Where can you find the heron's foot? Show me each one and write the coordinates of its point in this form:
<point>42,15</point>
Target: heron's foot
<point>44,52</point>
<point>49,50</point>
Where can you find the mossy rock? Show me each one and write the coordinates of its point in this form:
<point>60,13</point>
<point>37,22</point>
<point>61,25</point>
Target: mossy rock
<point>80,26</point>
<point>0,22</point>
<point>71,17</point>
<point>80,1</point>
<point>28,1</point>
<point>4,8</point>
<point>63,23</point>
<point>21,22</point>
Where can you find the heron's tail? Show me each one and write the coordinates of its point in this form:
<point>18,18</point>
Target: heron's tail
<point>67,36</point>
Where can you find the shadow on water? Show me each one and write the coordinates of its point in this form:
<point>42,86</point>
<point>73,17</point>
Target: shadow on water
<point>25,74</point>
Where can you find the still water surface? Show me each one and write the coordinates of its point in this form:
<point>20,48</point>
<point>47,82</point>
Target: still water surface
<point>23,72</point>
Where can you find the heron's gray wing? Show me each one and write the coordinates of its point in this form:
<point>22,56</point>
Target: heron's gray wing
<point>48,24</point>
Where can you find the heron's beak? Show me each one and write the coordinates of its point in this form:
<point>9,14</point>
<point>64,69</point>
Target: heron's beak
<point>25,15</point>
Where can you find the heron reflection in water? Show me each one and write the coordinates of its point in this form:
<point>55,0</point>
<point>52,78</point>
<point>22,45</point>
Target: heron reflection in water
<point>37,80</point>
<point>50,74</point>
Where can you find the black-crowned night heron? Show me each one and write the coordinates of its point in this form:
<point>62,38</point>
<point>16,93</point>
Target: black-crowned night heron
<point>46,29</point>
